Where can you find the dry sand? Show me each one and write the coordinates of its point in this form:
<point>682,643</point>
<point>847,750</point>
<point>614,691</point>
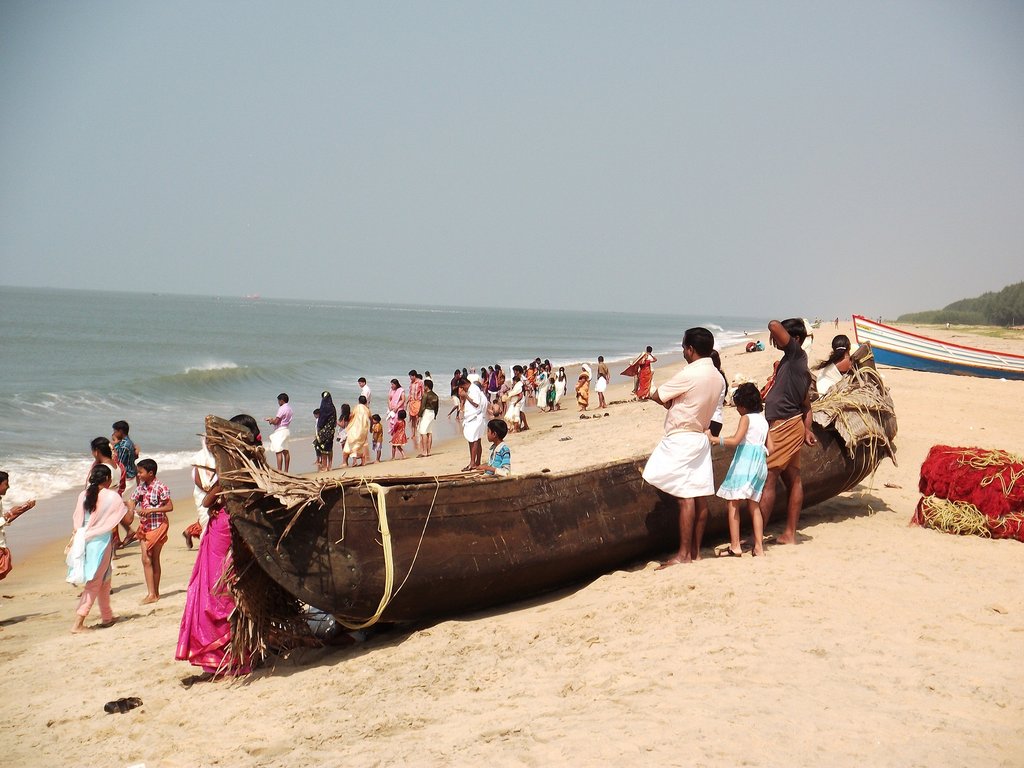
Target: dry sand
<point>871,643</point>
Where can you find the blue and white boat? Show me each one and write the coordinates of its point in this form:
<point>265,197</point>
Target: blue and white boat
<point>902,349</point>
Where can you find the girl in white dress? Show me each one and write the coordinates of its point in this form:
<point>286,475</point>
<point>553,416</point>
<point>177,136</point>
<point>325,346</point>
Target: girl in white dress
<point>749,469</point>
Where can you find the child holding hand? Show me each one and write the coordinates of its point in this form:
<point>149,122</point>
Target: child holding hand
<point>749,469</point>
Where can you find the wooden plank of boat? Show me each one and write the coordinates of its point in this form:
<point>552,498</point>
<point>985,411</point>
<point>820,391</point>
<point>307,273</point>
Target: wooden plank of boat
<point>426,547</point>
<point>902,349</point>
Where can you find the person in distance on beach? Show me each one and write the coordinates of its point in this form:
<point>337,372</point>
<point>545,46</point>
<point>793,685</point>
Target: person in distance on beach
<point>431,404</point>
<point>6,518</point>
<point>456,402</point>
<point>583,391</point>
<point>414,406</point>
<point>358,435</point>
<point>645,373</point>
<point>396,403</point>
<point>103,454</point>
<point>326,422</point>
<point>97,513</point>
<point>681,463</point>
<point>398,436</point>
<point>787,407</point>
<point>279,437</point>
<point>474,424</point>
<point>603,377</point>
<point>364,390</point>
<point>376,435</point>
<point>127,452</point>
<point>151,501</point>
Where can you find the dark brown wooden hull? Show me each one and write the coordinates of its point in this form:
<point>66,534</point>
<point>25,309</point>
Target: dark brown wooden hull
<point>470,543</point>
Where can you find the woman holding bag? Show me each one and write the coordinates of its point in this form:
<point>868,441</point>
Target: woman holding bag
<point>97,514</point>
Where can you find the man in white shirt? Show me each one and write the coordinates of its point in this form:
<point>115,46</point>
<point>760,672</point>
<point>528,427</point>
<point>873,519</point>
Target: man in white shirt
<point>681,463</point>
<point>279,437</point>
<point>364,390</point>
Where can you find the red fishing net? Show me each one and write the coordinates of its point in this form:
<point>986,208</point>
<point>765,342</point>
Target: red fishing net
<point>989,481</point>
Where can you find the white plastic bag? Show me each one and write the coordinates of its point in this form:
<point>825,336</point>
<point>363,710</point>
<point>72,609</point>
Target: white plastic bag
<point>76,558</point>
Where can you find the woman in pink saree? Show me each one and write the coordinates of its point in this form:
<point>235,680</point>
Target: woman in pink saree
<point>396,402</point>
<point>204,638</point>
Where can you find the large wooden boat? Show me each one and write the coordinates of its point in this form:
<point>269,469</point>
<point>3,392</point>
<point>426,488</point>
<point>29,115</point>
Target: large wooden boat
<point>411,548</point>
<point>902,349</point>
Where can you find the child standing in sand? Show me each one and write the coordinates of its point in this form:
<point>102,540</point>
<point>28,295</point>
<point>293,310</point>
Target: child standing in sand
<point>749,469</point>
<point>151,501</point>
<point>499,463</point>
<point>398,436</point>
<point>377,435</point>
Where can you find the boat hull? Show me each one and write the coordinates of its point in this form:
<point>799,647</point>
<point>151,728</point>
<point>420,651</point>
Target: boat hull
<point>470,543</point>
<point>901,349</point>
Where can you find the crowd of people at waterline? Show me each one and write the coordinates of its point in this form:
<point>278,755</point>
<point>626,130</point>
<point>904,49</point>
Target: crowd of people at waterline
<point>123,492</point>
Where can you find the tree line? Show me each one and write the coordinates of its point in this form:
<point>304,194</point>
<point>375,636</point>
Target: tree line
<point>1005,307</point>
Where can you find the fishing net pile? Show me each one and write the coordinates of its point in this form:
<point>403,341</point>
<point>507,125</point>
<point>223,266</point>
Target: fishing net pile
<point>972,491</point>
<point>860,410</point>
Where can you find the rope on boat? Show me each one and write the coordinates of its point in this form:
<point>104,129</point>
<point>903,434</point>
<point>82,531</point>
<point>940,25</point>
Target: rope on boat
<point>380,504</point>
<point>423,533</point>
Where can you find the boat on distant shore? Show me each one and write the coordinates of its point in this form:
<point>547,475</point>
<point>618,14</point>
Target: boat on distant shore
<point>413,548</point>
<point>902,349</point>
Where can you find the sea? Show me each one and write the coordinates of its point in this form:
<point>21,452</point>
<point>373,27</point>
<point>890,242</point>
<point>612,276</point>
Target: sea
<point>75,361</point>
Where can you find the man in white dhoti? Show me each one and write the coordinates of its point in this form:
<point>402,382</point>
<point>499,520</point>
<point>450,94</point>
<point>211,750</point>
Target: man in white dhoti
<point>681,463</point>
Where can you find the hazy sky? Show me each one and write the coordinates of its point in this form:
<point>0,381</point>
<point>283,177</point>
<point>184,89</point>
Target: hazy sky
<point>746,158</point>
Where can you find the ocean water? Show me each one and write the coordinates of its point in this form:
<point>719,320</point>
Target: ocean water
<point>76,361</point>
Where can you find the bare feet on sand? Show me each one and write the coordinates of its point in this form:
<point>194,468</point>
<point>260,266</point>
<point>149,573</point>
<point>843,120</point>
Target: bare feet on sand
<point>150,599</point>
<point>673,561</point>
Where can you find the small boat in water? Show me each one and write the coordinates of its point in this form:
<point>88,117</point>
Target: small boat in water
<point>404,549</point>
<point>902,349</point>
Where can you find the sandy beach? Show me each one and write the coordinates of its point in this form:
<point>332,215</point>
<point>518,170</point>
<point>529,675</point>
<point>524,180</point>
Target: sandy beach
<point>870,643</point>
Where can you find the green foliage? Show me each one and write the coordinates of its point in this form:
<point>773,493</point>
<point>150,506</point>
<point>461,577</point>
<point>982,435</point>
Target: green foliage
<point>1005,307</point>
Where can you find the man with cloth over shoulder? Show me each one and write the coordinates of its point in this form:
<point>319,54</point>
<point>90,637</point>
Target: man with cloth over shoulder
<point>681,463</point>
<point>787,407</point>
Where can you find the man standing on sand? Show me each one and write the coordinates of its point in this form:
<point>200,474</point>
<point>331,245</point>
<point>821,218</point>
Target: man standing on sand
<point>681,463</point>
<point>787,407</point>
<point>603,377</point>
<point>364,390</point>
<point>431,404</point>
<point>279,437</point>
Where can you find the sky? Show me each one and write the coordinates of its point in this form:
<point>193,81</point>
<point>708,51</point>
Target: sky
<point>750,158</point>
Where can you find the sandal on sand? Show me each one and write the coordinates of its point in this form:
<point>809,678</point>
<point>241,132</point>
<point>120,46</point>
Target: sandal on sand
<point>122,705</point>
<point>727,552</point>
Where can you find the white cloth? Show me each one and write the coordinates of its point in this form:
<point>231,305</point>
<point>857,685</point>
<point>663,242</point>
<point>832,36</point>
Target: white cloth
<point>602,384</point>
<point>828,377</point>
<point>279,439</point>
<point>681,466</point>
<point>205,466</point>
<point>719,414</point>
<point>474,423</point>
<point>426,426</point>
<point>76,558</point>
<point>3,526</point>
